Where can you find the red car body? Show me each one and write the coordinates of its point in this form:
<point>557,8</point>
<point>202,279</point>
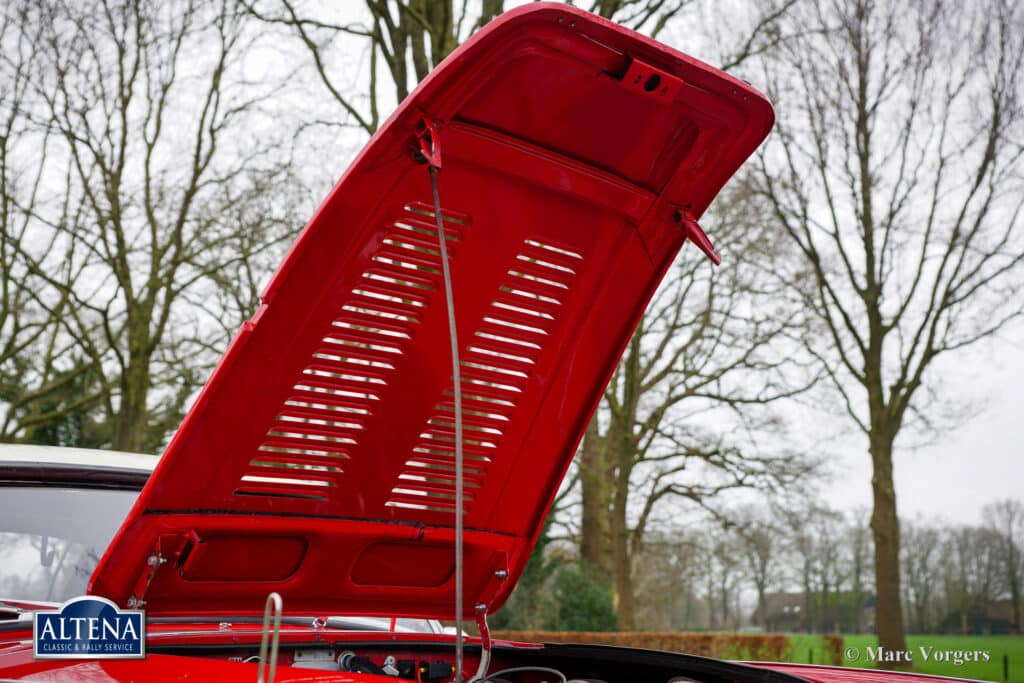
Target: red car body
<point>318,461</point>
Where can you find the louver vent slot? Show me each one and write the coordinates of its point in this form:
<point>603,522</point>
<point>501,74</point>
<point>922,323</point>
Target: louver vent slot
<point>299,483</point>
<point>321,422</point>
<point>497,364</point>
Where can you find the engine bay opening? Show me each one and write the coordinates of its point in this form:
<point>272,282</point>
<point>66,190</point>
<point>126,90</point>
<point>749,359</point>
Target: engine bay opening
<point>552,663</point>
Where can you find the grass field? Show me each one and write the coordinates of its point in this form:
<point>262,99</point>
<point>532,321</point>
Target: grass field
<point>940,646</point>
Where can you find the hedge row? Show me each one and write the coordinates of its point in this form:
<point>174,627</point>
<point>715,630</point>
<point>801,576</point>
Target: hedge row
<point>833,649</point>
<point>768,647</point>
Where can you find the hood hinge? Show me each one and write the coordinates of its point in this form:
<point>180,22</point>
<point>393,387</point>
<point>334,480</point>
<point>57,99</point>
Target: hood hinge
<point>498,577</point>
<point>167,547</point>
<point>428,143</point>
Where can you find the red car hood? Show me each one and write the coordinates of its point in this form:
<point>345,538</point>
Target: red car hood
<point>318,459</point>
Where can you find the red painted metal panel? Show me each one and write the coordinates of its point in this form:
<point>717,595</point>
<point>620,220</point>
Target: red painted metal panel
<point>327,428</point>
<point>161,669</point>
<point>838,674</point>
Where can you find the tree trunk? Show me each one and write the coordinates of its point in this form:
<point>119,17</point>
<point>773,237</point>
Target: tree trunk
<point>1015,605</point>
<point>886,531</point>
<point>132,415</point>
<point>594,550</point>
<point>622,565</point>
<point>808,615</point>
<point>724,599</point>
<point>619,453</point>
<point>762,606</point>
<point>624,590</point>
<point>1013,560</point>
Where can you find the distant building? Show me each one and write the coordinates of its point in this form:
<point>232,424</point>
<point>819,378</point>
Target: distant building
<point>783,612</point>
<point>841,612</point>
<point>996,619</point>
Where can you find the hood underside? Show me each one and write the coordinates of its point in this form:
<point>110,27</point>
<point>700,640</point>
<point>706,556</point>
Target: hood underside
<point>318,461</point>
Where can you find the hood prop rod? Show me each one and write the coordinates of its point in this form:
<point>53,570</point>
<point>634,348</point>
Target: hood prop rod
<point>273,601</point>
<point>485,644</point>
<point>430,151</point>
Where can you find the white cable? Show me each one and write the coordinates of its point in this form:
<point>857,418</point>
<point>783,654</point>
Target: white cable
<point>457,391</point>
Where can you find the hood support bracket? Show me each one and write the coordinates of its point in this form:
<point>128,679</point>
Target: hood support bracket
<point>168,546</point>
<point>696,234</point>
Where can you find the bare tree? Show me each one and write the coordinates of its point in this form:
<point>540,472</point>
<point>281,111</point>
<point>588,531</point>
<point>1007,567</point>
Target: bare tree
<point>712,347</point>
<point>759,541</point>
<point>397,34</point>
<point>815,542</point>
<point>1005,518</point>
<point>895,170</point>
<point>972,573</point>
<point>405,39</point>
<point>152,131</point>
<point>860,552</point>
<point>922,576</point>
<point>721,577</point>
<point>668,575</point>
<point>41,382</point>
<point>830,572</point>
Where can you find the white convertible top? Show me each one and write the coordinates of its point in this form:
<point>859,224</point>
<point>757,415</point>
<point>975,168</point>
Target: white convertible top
<point>88,457</point>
